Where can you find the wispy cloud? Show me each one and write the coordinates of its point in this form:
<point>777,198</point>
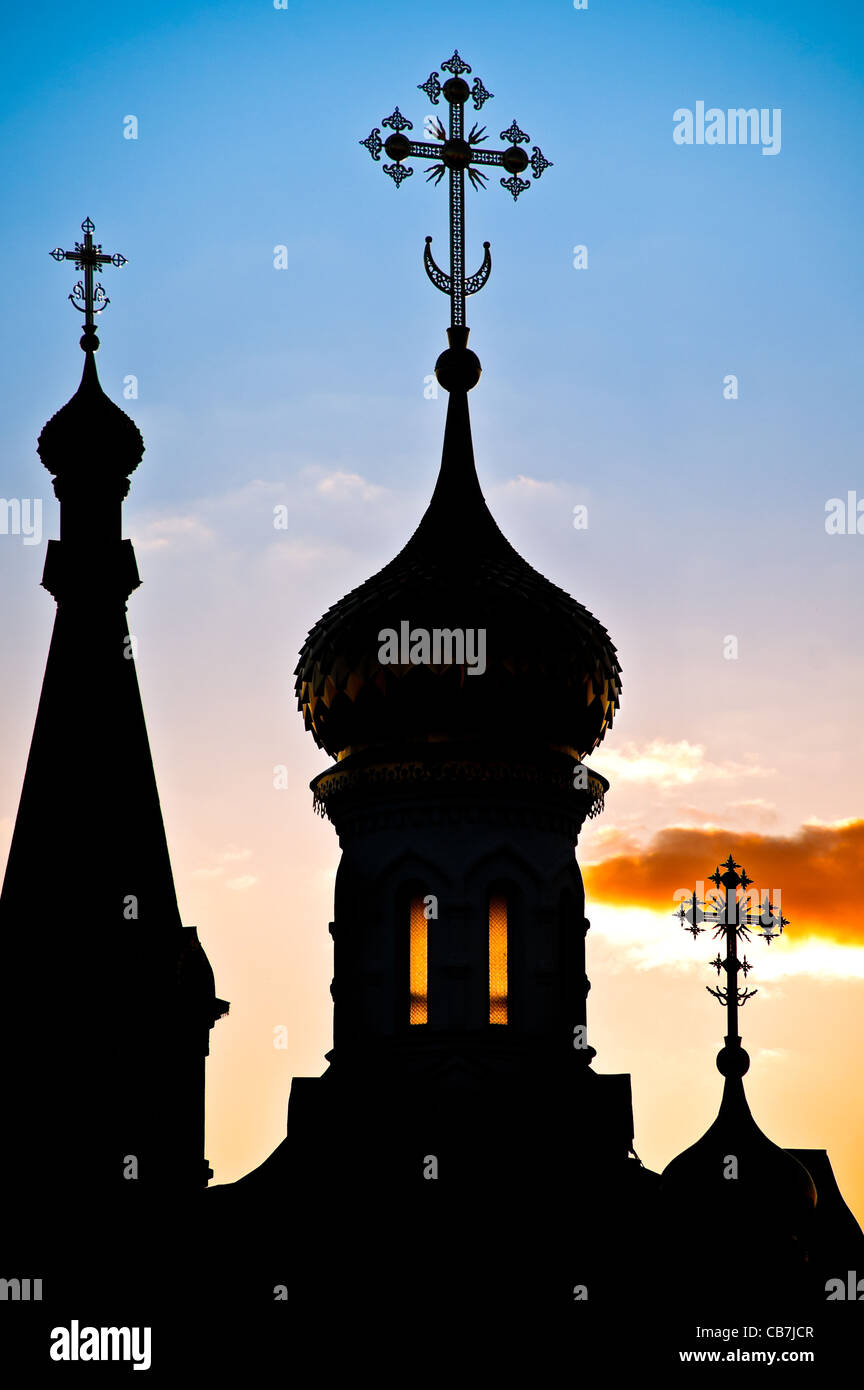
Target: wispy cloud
<point>231,854</point>
<point>161,532</point>
<point>672,764</point>
<point>523,485</point>
<point>341,486</point>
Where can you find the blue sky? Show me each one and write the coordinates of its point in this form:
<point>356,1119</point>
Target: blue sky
<point>701,261</point>
<point>305,387</point>
<point>606,382</point>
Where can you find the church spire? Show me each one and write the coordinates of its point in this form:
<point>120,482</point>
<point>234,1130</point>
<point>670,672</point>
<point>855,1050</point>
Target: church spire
<point>90,932</point>
<point>458,505</point>
<point>457,691</point>
<point>458,508</point>
<point>551,676</point>
<point>473,675</point>
<point>734,1173</point>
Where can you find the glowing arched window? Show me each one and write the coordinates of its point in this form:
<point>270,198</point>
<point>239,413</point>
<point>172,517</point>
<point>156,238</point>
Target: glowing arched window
<point>497,958</point>
<point>418,951</point>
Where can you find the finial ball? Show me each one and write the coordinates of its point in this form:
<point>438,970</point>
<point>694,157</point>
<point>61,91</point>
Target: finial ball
<point>733,1061</point>
<point>456,154</point>
<point>397,145</point>
<point>456,90</point>
<point>514,159</point>
<point>458,369</point>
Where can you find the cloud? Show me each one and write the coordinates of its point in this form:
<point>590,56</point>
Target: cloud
<point>231,854</point>
<point>754,808</point>
<point>347,487</point>
<point>643,939</point>
<point>165,531</point>
<point>818,871</point>
<point>304,516</point>
<point>608,841</point>
<point>241,884</point>
<point>672,764</point>
<point>525,486</point>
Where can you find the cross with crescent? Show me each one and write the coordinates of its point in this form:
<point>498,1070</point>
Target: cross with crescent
<point>459,154</point>
<point>88,256</point>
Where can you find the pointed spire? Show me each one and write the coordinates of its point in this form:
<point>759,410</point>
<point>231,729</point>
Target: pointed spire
<point>734,1176</point>
<point>457,507</point>
<point>91,937</point>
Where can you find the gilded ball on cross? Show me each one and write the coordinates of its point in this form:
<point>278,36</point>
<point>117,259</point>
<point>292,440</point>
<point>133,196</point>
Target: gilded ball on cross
<point>514,159</point>
<point>397,145</point>
<point>456,154</point>
<point>456,91</point>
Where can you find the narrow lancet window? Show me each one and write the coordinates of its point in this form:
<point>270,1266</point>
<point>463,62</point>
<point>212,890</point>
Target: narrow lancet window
<point>497,958</point>
<point>418,962</point>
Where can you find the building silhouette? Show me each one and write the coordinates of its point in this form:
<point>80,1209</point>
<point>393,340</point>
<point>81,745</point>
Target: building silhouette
<point>459,926</point>
<point>109,998</point>
<point>462,1163</point>
<point>462,1151</point>
<point>463,1176</point>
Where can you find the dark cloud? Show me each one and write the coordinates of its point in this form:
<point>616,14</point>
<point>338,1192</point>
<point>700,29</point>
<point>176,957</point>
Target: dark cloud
<point>819,871</point>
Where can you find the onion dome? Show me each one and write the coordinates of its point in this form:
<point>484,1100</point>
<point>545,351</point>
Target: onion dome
<point>458,637</point>
<point>767,1175</point>
<point>90,433</point>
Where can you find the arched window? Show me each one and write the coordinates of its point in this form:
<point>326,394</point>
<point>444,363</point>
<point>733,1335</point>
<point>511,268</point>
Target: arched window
<point>497,958</point>
<point>418,961</point>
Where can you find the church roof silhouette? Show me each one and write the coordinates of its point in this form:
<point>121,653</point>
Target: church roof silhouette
<point>551,672</point>
<point>90,436</point>
<point>89,917</point>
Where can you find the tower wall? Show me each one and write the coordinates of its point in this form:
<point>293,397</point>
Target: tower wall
<point>456,840</point>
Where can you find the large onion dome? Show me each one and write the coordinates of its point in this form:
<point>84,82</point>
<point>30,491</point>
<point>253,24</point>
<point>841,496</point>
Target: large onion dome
<point>537,667</point>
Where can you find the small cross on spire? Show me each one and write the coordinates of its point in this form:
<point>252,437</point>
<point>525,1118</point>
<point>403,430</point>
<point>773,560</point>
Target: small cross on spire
<point>734,913</point>
<point>88,256</point>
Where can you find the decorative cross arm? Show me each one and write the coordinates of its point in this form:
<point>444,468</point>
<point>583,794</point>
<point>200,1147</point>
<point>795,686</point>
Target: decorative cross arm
<point>454,152</point>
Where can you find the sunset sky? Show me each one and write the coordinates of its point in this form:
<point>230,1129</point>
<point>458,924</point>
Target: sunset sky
<point>603,387</point>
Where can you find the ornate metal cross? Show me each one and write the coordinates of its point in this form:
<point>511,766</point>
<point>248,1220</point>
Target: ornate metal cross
<point>459,154</point>
<point>88,256</point>
<point>729,915</point>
